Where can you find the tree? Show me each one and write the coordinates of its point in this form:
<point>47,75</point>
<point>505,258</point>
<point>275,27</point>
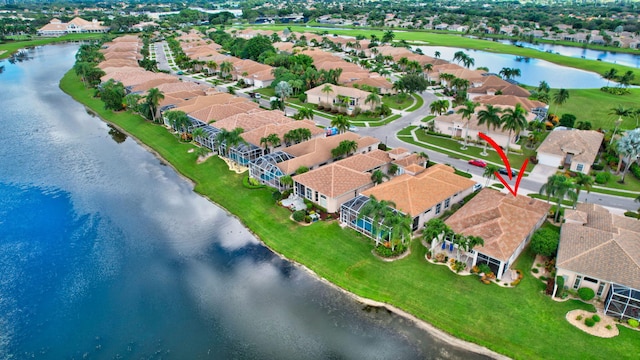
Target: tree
<point>286,181</point>
<point>378,177</point>
<point>583,181</point>
<point>514,120</point>
<point>435,228</point>
<point>198,134</point>
<point>305,113</point>
<point>377,211</point>
<point>436,54</point>
<point>439,107</point>
<point>543,87</point>
<point>229,139</point>
<point>283,90</point>
<point>629,148</point>
<point>327,89</point>
<point>545,242</point>
<point>467,112</point>
<point>271,139</point>
<point>178,120</point>
<point>226,68</point>
<point>490,172</point>
<point>373,98</point>
<point>153,100</point>
<point>256,46</point>
<point>112,94</point>
<point>610,75</point>
<point>567,120</point>
<point>559,187</point>
<point>560,97</point>
<point>346,147</point>
<point>400,225</point>
<point>490,116</point>
<point>414,83</point>
<point>626,79</point>
<point>388,36</point>
<point>341,123</point>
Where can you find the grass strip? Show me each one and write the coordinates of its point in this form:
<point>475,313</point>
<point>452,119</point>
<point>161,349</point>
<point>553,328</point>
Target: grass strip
<point>418,104</point>
<point>504,320</point>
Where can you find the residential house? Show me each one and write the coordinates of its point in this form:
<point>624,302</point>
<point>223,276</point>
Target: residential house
<point>422,195</point>
<point>504,222</point>
<point>55,27</point>
<point>575,149</point>
<point>340,96</point>
<point>601,251</point>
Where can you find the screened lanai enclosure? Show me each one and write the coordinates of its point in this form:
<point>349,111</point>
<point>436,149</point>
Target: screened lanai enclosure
<point>208,139</point>
<point>350,216</point>
<point>265,169</point>
<point>623,302</point>
<point>243,153</point>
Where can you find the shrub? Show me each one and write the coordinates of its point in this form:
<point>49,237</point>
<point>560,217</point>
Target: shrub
<point>614,90</point>
<point>299,215</point>
<point>484,268</point>
<point>631,214</point>
<point>382,147</point>
<point>579,317</point>
<point>560,282</point>
<point>608,327</point>
<point>597,167</point>
<point>633,323</point>
<point>567,120</point>
<point>515,282</point>
<point>596,318</point>
<point>387,252</point>
<point>589,322</point>
<point>586,294</point>
<point>307,219</point>
<point>603,177</point>
<point>635,170</point>
<point>545,242</point>
<point>534,270</point>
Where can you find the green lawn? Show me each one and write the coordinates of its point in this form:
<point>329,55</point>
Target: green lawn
<point>9,47</point>
<point>418,104</point>
<point>520,322</point>
<point>595,106</point>
<point>428,118</point>
<point>396,102</point>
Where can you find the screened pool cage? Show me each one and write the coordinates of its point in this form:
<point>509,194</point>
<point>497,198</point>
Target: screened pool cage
<point>623,302</point>
<point>350,216</point>
<point>265,169</point>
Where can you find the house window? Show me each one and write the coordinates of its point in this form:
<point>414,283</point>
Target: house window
<point>438,209</point>
<point>323,201</point>
<point>595,281</point>
<point>600,288</point>
<point>446,203</point>
<point>580,167</point>
<point>309,194</point>
<point>352,101</point>
<point>576,284</point>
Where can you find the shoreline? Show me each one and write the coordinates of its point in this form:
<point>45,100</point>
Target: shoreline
<point>422,324</point>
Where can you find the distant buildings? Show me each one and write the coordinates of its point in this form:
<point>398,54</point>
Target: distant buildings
<point>78,25</point>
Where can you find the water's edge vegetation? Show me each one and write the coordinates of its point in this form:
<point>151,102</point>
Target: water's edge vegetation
<point>519,322</point>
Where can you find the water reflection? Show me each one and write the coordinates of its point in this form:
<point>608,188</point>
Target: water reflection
<point>21,56</point>
<point>117,135</point>
<point>121,259</point>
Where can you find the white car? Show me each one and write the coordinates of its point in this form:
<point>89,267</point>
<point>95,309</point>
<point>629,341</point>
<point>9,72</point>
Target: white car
<point>353,129</point>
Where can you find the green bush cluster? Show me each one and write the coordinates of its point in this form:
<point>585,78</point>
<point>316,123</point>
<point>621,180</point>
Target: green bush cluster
<point>596,318</point>
<point>560,283</point>
<point>589,322</point>
<point>635,170</point>
<point>615,90</point>
<point>597,167</point>
<point>603,177</point>
<point>631,214</point>
<point>299,215</point>
<point>633,323</point>
<point>387,252</point>
<point>586,294</point>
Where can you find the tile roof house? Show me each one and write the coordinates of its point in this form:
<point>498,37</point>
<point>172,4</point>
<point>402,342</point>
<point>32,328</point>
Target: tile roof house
<point>353,98</point>
<point>422,196</point>
<point>505,223</point>
<point>55,27</point>
<point>576,149</point>
<point>601,251</point>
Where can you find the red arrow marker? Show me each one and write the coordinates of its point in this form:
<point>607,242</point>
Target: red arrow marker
<point>505,160</point>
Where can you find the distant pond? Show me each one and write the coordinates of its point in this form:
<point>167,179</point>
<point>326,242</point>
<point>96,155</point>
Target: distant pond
<point>533,70</point>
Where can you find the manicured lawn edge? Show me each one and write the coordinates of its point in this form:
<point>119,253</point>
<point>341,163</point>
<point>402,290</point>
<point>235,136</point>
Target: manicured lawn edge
<point>520,322</point>
<point>418,104</point>
<point>13,46</point>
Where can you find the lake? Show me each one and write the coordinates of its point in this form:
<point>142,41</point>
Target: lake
<point>533,70</point>
<point>107,253</point>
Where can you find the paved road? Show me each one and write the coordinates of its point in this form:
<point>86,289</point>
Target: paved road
<point>387,134</point>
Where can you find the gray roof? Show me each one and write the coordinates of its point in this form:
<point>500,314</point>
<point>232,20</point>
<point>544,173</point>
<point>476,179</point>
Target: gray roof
<point>583,144</point>
<point>605,247</point>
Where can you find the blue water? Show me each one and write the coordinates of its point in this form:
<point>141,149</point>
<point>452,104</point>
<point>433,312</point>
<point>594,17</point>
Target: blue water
<point>107,253</point>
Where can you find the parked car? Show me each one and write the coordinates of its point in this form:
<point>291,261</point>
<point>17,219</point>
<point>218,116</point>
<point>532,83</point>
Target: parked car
<point>353,129</point>
<point>503,171</point>
<point>477,162</point>
<point>477,187</point>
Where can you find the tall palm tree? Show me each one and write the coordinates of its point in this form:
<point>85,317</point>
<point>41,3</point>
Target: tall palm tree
<point>283,90</point>
<point>610,75</point>
<point>490,116</point>
<point>428,68</point>
<point>327,89</point>
<point>550,186</point>
<point>436,54</point>
<point>468,61</point>
<point>559,187</point>
<point>229,139</point>
<point>629,148</point>
<point>197,134</point>
<point>467,112</point>
<point>153,98</point>
<point>560,97</point>
<point>439,106</point>
<point>286,181</point>
<point>514,120</point>
<point>178,119</point>
<point>583,181</point>
<point>305,113</point>
<point>226,68</point>
<point>400,225</point>
<point>341,123</point>
<point>543,87</point>
<point>490,173</point>
<point>374,99</point>
<point>377,211</point>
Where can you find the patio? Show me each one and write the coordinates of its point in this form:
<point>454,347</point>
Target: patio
<point>294,203</point>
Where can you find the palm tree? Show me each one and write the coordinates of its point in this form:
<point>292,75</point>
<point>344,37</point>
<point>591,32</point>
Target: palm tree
<point>305,113</point>
<point>490,172</point>
<point>459,56</point>
<point>583,181</point>
<point>436,54</point>
<point>428,68</point>
<point>377,211</point>
<point>626,79</point>
<point>197,134</point>
<point>153,98</point>
<point>341,123</point>
<point>327,89</point>
<point>439,106</point>
<point>629,148</point>
<point>212,66</point>
<point>514,120</point>
<point>348,146</point>
<point>560,97</point>
<point>423,155</point>
<point>467,111</point>
<point>468,61</point>
<point>549,187</point>
<point>226,68</point>
<point>559,186</point>
<point>378,177</point>
<point>388,36</point>
<point>490,116</point>
<point>283,90</point>
<point>229,139</point>
<point>373,98</point>
<point>610,75</point>
<point>178,120</point>
<point>543,87</point>
<point>286,181</point>
<point>392,170</point>
<point>400,225</point>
